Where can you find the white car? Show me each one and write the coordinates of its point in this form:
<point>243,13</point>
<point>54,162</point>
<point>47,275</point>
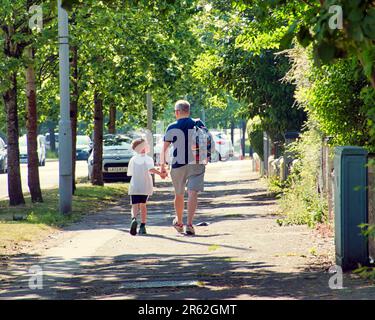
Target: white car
<point>48,141</point>
<point>41,150</point>
<point>3,157</point>
<point>117,152</point>
<point>83,147</point>
<point>223,146</point>
<point>158,147</point>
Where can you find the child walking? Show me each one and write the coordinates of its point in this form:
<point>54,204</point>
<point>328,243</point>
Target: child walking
<point>140,168</point>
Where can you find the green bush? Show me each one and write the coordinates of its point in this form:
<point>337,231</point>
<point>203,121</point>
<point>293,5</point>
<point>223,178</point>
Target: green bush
<point>300,201</point>
<point>255,134</point>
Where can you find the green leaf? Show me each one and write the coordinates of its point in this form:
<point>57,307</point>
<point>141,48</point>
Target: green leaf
<point>287,39</point>
<point>68,4</point>
<point>304,36</point>
<point>368,27</point>
<point>326,52</point>
<point>355,32</point>
<point>356,15</point>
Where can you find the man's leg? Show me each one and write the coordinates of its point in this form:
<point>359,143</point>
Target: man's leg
<point>195,185</point>
<point>192,206</point>
<point>179,177</point>
<point>179,204</point>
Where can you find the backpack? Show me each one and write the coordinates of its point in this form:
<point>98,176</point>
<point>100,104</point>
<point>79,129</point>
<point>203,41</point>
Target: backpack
<point>203,145</point>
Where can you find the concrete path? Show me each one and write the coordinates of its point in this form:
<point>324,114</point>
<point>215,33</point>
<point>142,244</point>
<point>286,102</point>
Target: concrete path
<point>241,253</point>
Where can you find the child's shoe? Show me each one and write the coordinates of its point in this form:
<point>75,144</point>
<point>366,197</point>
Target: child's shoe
<point>142,229</point>
<point>133,227</point>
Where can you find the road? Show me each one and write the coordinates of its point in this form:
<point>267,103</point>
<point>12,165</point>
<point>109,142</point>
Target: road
<point>49,176</point>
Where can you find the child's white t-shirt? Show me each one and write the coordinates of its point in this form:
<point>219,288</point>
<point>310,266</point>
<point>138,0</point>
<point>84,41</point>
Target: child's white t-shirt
<point>141,181</point>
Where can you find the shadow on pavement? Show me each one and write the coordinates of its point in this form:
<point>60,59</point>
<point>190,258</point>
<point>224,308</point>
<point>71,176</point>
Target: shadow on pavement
<point>216,277</point>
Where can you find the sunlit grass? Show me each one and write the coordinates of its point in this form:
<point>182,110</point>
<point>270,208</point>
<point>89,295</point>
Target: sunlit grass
<point>36,220</point>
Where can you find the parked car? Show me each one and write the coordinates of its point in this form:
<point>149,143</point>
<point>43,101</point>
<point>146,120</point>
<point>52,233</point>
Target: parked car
<point>117,152</point>
<point>41,150</point>
<point>3,157</point>
<point>223,146</point>
<point>83,147</point>
<point>48,141</point>
<point>158,146</point>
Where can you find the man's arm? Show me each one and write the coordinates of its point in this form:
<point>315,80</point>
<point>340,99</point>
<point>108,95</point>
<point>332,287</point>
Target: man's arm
<point>163,155</point>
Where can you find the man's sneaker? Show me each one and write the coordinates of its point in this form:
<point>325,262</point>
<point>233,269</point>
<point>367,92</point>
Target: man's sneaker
<point>142,229</point>
<point>178,227</point>
<point>133,227</point>
<point>190,230</point>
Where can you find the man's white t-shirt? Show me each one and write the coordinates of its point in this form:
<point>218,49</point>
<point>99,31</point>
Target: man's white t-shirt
<point>141,181</point>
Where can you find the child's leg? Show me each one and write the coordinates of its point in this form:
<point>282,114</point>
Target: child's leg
<point>135,210</point>
<point>143,213</point>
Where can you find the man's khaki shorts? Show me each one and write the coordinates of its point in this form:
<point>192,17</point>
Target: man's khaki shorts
<point>190,174</point>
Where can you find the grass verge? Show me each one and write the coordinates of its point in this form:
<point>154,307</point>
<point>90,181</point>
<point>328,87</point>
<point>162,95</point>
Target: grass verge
<point>34,221</point>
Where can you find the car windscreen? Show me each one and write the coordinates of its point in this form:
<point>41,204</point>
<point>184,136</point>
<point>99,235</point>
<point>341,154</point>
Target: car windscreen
<point>83,140</point>
<point>117,141</point>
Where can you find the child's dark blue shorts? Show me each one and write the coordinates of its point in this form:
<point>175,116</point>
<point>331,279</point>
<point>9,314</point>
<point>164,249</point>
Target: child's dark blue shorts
<point>136,199</point>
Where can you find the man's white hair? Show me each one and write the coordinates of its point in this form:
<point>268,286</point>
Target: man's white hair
<point>182,106</point>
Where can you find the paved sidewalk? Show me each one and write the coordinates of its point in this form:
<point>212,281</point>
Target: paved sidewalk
<point>241,254</point>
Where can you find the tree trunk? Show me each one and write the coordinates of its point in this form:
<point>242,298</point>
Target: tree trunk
<point>97,174</point>
<point>14,172</point>
<point>232,131</point>
<point>243,140</point>
<point>112,120</point>
<point>52,138</point>
<point>74,112</point>
<point>32,132</point>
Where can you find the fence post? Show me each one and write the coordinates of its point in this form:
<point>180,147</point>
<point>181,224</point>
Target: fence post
<point>328,178</point>
<point>330,183</point>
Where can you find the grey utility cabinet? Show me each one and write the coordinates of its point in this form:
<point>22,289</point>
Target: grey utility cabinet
<point>350,206</point>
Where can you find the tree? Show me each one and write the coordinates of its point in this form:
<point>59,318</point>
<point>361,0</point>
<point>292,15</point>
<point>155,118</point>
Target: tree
<point>12,25</point>
<point>97,174</point>
<point>32,130</point>
<point>277,23</point>
<point>254,78</point>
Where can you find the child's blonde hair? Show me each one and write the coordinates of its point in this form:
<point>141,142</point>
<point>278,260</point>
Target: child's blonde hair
<point>137,144</point>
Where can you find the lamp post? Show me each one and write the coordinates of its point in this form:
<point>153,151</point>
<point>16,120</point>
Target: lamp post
<point>65,130</point>
<point>150,116</point>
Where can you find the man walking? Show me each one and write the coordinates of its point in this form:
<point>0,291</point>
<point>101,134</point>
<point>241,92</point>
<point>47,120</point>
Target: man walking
<point>185,171</point>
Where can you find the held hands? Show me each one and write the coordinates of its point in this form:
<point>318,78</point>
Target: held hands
<point>163,173</point>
